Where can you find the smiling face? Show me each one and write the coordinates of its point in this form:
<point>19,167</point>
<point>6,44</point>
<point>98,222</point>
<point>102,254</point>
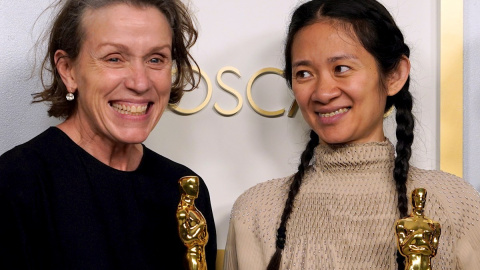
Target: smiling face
<point>122,73</point>
<point>336,83</point>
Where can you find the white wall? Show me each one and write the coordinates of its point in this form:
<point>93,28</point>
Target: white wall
<point>231,153</point>
<point>19,121</point>
<point>471,143</point>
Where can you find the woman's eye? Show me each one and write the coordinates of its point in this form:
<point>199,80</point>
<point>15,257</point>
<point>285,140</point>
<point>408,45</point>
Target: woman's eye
<point>341,69</point>
<point>113,59</point>
<point>302,74</point>
<point>155,60</point>
<point>158,59</point>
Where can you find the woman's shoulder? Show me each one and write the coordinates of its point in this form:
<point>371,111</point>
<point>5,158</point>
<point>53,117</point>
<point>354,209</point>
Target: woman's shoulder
<point>269,194</point>
<point>162,165</point>
<point>22,165</point>
<point>45,145</point>
<point>28,154</point>
<point>456,198</point>
<point>156,166</point>
<point>32,146</point>
<point>444,182</point>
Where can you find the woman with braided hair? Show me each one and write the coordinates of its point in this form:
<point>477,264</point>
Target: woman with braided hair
<point>347,64</point>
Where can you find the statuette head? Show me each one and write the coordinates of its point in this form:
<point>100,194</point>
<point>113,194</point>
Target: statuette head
<point>189,186</point>
<point>419,196</point>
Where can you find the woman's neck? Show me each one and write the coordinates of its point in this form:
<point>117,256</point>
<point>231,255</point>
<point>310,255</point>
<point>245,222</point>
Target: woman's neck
<point>120,156</point>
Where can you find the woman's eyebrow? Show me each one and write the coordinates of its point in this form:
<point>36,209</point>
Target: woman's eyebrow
<point>341,57</point>
<point>127,49</point>
<point>301,63</point>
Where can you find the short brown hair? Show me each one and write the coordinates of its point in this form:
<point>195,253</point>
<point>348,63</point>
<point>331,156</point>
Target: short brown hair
<point>67,34</point>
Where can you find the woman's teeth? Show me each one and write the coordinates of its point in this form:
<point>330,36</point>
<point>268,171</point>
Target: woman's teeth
<point>130,110</point>
<point>344,110</point>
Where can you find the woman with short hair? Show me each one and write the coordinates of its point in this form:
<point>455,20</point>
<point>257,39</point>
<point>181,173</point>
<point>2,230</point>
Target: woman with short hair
<point>87,194</point>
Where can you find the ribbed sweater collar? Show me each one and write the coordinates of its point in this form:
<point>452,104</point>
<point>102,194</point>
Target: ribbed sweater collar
<point>351,158</point>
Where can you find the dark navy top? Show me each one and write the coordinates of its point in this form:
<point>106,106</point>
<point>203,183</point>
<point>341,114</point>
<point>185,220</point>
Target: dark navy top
<point>60,208</point>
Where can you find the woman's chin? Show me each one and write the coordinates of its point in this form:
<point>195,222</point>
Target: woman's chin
<point>332,138</point>
<point>131,136</point>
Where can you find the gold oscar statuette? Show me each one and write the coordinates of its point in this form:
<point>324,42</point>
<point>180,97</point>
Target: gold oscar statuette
<point>417,235</point>
<point>192,226</point>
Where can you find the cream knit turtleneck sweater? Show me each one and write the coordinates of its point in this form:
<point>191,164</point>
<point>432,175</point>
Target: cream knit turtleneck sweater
<point>344,215</point>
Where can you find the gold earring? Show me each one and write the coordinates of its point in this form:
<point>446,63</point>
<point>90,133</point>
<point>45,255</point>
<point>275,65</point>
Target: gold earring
<point>387,113</point>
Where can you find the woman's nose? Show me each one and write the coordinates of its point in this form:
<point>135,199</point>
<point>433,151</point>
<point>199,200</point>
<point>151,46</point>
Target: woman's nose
<point>138,79</point>
<point>326,89</point>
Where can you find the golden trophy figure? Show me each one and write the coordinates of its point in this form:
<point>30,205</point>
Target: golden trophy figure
<point>417,235</point>
<point>192,226</point>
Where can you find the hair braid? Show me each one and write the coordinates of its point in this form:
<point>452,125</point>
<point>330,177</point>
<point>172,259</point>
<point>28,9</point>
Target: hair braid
<point>405,124</point>
<point>297,179</point>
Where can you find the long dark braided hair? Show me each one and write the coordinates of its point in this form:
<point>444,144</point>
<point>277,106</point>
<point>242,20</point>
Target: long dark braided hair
<point>376,30</point>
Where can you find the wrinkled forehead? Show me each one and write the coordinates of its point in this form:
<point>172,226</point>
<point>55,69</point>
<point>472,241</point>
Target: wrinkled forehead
<point>92,10</point>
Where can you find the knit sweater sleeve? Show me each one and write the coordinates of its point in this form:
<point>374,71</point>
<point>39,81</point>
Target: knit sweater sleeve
<point>231,260</point>
<point>457,204</point>
<point>468,245</point>
<point>468,250</point>
<point>243,249</point>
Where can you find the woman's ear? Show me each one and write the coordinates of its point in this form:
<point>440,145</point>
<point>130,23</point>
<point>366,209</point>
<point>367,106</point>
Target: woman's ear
<point>64,66</point>
<point>397,78</point>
